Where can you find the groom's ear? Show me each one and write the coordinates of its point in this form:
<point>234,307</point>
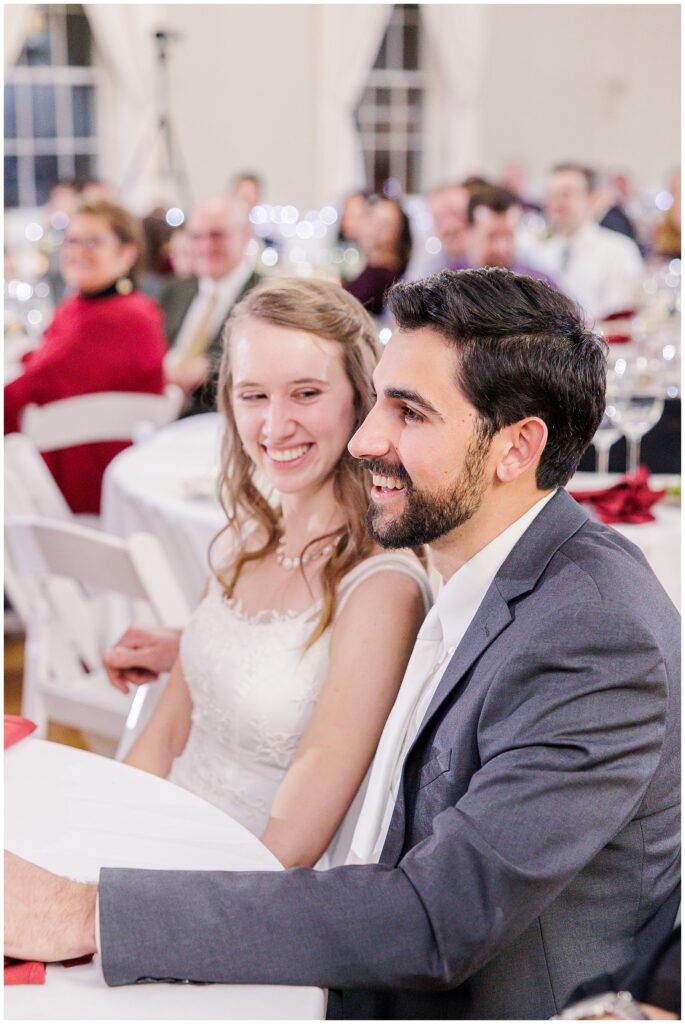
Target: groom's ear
<point>523,443</point>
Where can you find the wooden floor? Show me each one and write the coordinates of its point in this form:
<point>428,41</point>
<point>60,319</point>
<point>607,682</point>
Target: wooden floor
<point>14,670</point>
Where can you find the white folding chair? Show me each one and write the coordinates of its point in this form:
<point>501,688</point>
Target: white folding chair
<point>102,416</point>
<point>71,568</point>
<point>30,490</point>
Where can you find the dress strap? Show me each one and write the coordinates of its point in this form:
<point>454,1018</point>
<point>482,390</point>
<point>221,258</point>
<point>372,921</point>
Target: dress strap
<point>390,561</point>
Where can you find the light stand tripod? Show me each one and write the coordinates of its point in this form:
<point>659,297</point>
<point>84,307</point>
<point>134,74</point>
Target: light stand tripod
<point>173,166</point>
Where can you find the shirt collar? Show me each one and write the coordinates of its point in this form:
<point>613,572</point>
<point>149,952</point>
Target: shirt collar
<point>237,277</point>
<point>470,583</point>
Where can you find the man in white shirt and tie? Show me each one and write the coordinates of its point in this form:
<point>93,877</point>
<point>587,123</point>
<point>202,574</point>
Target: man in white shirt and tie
<point>598,268</point>
<point>520,828</point>
<point>197,307</point>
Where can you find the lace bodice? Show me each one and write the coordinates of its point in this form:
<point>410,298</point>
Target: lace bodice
<point>253,689</point>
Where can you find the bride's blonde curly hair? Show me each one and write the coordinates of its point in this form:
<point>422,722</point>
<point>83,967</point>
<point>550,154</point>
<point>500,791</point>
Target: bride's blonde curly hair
<point>327,311</point>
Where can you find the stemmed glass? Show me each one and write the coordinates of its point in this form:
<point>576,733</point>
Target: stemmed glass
<point>606,436</point>
<point>635,401</point>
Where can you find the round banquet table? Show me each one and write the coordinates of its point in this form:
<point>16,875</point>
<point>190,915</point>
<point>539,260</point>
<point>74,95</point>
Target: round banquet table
<point>73,812</point>
<point>166,486</point>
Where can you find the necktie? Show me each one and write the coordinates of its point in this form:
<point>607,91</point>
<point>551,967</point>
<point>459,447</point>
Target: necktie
<point>201,339</point>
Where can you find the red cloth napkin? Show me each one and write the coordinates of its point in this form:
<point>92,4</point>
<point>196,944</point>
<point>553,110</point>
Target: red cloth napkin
<point>16,728</point>
<point>621,338</point>
<point>24,972</point>
<point>628,501</point>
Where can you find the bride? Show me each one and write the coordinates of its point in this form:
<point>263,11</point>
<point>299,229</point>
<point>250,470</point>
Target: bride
<point>290,665</point>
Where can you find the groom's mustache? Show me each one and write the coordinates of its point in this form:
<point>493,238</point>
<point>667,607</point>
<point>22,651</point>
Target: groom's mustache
<point>381,468</point>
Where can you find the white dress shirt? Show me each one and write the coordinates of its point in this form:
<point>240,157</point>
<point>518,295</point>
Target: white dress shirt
<point>440,635</point>
<point>598,268</point>
<point>222,293</point>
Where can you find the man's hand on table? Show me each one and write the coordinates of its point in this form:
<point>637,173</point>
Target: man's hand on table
<point>46,917</point>
<point>140,655</point>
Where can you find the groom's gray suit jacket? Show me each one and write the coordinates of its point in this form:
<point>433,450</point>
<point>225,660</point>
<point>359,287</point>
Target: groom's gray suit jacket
<point>534,840</point>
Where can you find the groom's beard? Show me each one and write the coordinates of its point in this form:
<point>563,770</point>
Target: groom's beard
<point>427,515</point>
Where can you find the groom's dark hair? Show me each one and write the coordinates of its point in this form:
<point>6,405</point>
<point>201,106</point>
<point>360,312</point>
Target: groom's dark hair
<point>522,350</point>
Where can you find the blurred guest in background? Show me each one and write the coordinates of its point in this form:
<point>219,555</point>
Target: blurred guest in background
<point>667,238</point>
<point>354,209</point>
<point>609,210</point>
<point>96,188</point>
<point>447,205</point>
<point>106,337</point>
<point>385,242</point>
<point>248,188</point>
<point>180,253</point>
<point>513,179</point>
<point>156,264</point>
<point>598,268</point>
<point>196,308</point>
<point>492,217</point>
<point>62,202</point>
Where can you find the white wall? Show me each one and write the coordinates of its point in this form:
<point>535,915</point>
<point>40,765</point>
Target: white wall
<point>244,93</point>
<point>599,84</point>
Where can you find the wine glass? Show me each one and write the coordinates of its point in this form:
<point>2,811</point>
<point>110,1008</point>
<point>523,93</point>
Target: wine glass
<point>635,401</point>
<point>607,435</point>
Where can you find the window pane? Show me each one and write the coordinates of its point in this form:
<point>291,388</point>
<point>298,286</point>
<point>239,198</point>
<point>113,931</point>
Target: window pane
<point>382,97</point>
<point>381,171</point>
<point>10,113</point>
<point>44,122</point>
<point>78,40</point>
<point>82,101</point>
<point>45,168</point>
<point>410,51</point>
<point>382,55</point>
<point>11,181</point>
<point>83,167</point>
<point>37,46</point>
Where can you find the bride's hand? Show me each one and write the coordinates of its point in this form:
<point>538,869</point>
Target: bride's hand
<point>140,655</point>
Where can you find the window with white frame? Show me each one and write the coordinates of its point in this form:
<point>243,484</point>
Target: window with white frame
<point>390,115</point>
<point>50,106</point>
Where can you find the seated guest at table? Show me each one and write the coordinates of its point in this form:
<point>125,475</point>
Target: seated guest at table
<point>196,308</point>
<point>157,270</point>
<point>180,253</point>
<point>385,242</point>
<point>492,217</point>
<point>106,337</point>
<point>596,267</point>
<point>268,713</point>
<point>447,205</point>
<point>667,237</point>
<point>247,187</point>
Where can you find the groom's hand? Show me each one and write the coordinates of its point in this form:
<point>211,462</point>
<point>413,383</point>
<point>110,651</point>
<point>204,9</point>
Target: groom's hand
<point>46,917</point>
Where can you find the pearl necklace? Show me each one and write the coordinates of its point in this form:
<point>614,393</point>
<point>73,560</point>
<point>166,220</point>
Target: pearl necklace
<point>299,560</point>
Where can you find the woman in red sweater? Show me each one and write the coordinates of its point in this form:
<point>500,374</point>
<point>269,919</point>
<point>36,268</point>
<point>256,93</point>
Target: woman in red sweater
<point>105,337</point>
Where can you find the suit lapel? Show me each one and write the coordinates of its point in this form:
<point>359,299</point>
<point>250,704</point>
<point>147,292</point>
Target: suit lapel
<point>518,575</point>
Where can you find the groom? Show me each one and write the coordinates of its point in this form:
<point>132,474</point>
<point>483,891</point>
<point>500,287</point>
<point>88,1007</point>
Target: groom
<point>522,807</point>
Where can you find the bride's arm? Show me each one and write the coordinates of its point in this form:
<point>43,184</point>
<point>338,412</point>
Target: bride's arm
<point>369,650</point>
<point>166,734</point>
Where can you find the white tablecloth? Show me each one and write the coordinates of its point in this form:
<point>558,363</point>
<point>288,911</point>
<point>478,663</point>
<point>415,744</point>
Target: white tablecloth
<point>148,487</point>
<point>165,486</point>
<point>73,812</point>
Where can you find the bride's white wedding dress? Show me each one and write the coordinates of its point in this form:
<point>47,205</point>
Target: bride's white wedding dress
<point>254,689</point>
